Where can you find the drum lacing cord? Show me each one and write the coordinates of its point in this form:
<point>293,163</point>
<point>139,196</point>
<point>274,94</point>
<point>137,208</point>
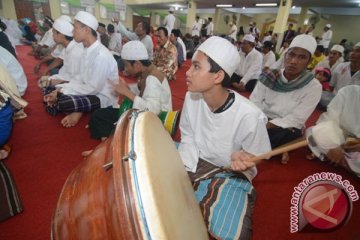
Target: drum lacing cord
<point>132,157</point>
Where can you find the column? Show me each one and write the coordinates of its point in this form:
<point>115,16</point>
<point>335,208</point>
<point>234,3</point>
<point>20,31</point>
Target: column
<point>281,20</point>
<point>216,20</point>
<point>191,15</point>
<point>302,17</point>
<point>55,8</point>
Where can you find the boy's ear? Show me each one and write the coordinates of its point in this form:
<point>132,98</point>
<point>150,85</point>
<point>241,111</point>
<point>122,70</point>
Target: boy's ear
<point>219,77</point>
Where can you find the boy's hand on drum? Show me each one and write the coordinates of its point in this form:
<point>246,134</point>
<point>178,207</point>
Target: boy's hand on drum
<point>240,161</point>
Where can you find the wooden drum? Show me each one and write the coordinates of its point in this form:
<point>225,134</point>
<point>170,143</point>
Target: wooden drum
<point>133,186</point>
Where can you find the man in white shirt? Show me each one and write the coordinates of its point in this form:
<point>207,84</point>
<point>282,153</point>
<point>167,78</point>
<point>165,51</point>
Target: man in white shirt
<point>232,31</point>
<point>15,70</point>
<point>92,89</point>
<point>347,73</point>
<point>250,65</point>
<point>141,33</point>
<point>169,20</point>
<point>334,129</point>
<point>153,93</point>
<point>326,37</point>
<point>46,44</point>
<point>289,96</point>
<point>268,55</point>
<point>220,128</point>
<point>115,43</point>
<point>334,58</point>
<point>72,54</point>
<point>210,27</point>
<point>195,30</point>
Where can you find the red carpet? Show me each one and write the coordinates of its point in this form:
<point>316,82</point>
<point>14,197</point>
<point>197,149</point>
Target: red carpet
<point>44,153</point>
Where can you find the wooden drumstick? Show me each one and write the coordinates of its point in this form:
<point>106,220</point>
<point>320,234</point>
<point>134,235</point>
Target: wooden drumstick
<point>280,150</point>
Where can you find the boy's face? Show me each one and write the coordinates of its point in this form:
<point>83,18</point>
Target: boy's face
<point>132,69</point>
<point>321,77</point>
<point>198,77</point>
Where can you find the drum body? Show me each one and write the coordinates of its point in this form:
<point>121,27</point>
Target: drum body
<point>133,186</point>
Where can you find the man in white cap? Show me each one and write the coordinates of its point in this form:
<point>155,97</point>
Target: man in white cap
<point>347,73</point>
<point>153,93</point>
<point>195,30</point>
<point>288,96</point>
<point>326,37</point>
<point>169,20</point>
<point>334,59</point>
<point>73,51</point>
<point>141,33</point>
<point>250,65</point>
<point>220,128</point>
<point>92,88</point>
<point>53,60</point>
<point>336,135</point>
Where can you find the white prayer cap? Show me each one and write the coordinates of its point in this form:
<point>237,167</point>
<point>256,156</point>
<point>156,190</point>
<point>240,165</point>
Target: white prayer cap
<point>222,52</point>
<point>171,9</point>
<point>338,48</point>
<point>328,25</point>
<point>63,27</point>
<point>88,19</point>
<point>249,38</point>
<point>66,18</point>
<point>357,45</point>
<point>304,41</point>
<point>134,50</point>
<point>324,136</point>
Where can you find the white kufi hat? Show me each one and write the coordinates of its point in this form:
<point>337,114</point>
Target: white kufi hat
<point>338,48</point>
<point>134,50</point>
<point>304,41</point>
<point>66,18</point>
<point>88,19</point>
<point>249,38</point>
<point>64,27</point>
<point>222,52</point>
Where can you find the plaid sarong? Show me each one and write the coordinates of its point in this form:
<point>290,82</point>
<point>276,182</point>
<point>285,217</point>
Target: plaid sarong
<point>226,201</point>
<point>9,200</point>
<point>74,103</point>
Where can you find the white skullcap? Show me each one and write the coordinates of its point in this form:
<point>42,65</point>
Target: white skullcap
<point>338,48</point>
<point>357,45</point>
<point>134,50</point>
<point>64,27</point>
<point>328,25</point>
<point>88,19</point>
<point>222,52</point>
<point>66,18</point>
<point>171,9</point>
<point>325,135</point>
<point>249,38</point>
<point>304,41</point>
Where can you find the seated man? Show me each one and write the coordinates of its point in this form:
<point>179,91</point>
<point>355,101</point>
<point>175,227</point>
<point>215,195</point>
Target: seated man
<point>47,43</point>
<point>73,51</point>
<point>347,73</point>
<point>165,56</point>
<point>153,90</point>
<point>340,122</point>
<point>289,96</point>
<point>317,57</point>
<point>335,58</point>
<point>92,89</point>
<point>250,65</point>
<point>220,128</point>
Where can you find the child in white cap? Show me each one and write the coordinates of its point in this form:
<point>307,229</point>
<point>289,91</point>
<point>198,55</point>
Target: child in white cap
<point>92,88</point>
<point>220,128</point>
<point>63,35</point>
<point>288,96</point>
<point>153,92</point>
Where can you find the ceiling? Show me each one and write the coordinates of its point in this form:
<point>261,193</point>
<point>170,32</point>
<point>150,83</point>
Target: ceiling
<point>334,7</point>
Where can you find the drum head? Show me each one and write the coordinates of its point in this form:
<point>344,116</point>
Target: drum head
<point>163,196</point>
